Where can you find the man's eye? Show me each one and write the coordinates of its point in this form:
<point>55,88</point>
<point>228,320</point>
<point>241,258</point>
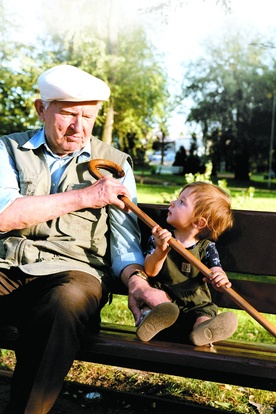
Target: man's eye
<point>66,114</point>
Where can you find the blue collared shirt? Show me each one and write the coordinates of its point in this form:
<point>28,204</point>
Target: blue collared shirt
<point>124,239</point>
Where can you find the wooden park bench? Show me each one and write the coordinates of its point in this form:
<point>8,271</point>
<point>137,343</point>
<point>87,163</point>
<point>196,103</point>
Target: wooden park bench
<point>248,254</point>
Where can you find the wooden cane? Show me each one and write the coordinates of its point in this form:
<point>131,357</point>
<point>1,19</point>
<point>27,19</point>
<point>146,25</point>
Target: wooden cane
<point>117,171</point>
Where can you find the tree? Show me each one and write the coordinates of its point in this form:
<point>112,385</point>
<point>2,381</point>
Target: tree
<point>123,56</point>
<point>230,88</point>
<point>180,159</point>
<point>18,74</point>
<point>97,37</point>
<point>193,163</point>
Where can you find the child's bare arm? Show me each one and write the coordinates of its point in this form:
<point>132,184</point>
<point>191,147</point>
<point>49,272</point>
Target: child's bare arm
<point>154,262</point>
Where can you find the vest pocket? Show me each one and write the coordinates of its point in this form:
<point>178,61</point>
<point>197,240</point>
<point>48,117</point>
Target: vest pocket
<point>86,227</point>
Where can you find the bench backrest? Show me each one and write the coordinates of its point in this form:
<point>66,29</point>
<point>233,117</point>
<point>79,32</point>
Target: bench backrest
<point>247,253</point>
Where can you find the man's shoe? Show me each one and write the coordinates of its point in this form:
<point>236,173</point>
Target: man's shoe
<point>218,328</point>
<point>160,317</point>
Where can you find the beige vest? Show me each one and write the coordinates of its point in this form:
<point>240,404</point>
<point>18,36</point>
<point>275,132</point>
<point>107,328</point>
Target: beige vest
<point>77,240</point>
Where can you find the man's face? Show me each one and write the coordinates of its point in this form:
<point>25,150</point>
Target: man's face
<point>68,125</point>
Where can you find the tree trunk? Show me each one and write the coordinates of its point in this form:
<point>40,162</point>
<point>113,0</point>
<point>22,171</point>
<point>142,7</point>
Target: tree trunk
<point>241,166</point>
<point>112,51</point>
<point>108,125</point>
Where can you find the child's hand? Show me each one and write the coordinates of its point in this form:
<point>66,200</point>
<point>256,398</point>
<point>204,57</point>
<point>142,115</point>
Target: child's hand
<point>161,237</point>
<point>218,279</point>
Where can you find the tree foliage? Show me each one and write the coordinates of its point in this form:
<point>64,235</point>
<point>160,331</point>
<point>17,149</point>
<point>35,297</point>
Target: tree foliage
<point>101,43</point>
<point>17,73</point>
<point>122,55</point>
<point>232,88</point>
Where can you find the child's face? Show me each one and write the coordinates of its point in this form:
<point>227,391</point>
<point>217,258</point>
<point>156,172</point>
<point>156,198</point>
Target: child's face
<point>180,212</point>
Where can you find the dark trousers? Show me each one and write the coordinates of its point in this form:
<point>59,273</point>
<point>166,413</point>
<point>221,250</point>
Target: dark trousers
<point>51,313</point>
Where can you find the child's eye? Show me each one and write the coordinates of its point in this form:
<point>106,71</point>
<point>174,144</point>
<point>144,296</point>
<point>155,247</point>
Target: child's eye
<point>182,202</point>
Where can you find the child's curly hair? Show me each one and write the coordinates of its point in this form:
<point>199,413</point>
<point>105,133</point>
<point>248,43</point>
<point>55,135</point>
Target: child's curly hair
<point>214,204</point>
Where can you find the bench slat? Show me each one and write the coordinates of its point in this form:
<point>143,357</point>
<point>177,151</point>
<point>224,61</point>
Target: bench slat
<point>260,295</point>
<point>244,248</point>
<point>227,362</point>
<point>239,363</point>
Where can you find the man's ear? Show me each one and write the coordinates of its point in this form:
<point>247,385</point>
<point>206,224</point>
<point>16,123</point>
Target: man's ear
<point>201,223</point>
<point>39,109</point>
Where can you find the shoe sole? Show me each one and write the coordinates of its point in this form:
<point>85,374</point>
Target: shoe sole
<point>160,317</point>
<point>216,329</point>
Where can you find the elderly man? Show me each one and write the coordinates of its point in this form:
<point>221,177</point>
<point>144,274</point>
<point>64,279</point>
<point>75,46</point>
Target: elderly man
<point>57,223</point>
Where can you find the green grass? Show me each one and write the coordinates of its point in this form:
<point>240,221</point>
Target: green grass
<point>158,189</point>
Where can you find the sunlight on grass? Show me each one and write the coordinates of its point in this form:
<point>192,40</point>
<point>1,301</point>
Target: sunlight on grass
<point>159,194</point>
<point>257,204</point>
<point>161,189</point>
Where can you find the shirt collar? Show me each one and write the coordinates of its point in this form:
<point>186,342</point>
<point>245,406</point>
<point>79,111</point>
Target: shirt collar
<point>38,139</point>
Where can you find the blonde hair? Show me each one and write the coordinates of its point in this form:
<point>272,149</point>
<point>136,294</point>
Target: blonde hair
<point>214,205</point>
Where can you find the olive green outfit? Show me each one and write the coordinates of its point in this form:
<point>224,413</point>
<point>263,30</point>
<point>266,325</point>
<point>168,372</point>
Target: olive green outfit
<point>184,285</point>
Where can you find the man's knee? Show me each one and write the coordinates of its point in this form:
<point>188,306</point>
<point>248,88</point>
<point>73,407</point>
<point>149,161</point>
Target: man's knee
<point>81,291</point>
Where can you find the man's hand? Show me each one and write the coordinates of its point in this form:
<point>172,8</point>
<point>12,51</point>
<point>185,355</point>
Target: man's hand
<point>106,191</point>
<point>140,293</point>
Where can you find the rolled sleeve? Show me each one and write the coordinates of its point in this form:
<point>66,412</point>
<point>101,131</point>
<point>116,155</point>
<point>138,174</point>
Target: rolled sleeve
<point>125,236</point>
<point>9,189</point>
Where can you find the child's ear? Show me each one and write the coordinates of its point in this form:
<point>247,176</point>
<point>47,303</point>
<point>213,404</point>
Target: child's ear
<point>201,223</point>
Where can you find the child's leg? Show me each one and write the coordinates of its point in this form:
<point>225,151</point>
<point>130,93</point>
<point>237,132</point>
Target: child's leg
<point>200,320</point>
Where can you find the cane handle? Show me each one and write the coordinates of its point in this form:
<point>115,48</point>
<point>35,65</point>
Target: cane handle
<point>114,169</point>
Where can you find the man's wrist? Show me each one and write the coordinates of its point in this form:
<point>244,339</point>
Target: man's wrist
<point>139,273</point>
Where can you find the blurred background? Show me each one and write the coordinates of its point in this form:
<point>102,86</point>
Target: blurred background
<point>192,81</point>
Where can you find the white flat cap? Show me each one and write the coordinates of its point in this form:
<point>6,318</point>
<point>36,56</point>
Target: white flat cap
<point>68,83</point>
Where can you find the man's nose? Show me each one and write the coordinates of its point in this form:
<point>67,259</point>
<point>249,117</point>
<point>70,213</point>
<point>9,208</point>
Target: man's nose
<point>76,125</point>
